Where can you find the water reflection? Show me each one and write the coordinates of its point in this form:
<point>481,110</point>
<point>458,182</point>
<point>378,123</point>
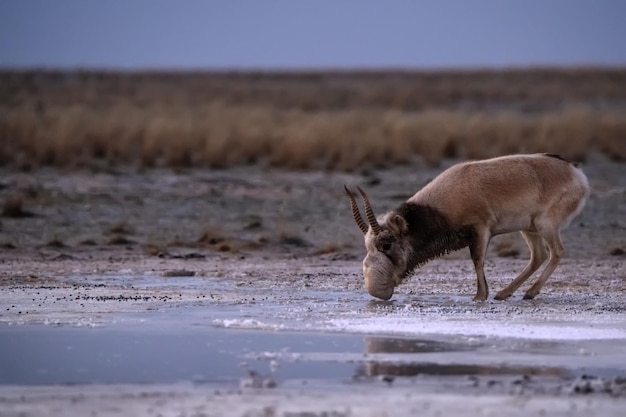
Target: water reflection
<point>377,305</point>
<point>381,368</point>
<point>405,345</point>
<point>396,365</point>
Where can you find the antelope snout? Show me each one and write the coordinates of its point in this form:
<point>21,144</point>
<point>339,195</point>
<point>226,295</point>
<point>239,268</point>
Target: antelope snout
<point>378,282</point>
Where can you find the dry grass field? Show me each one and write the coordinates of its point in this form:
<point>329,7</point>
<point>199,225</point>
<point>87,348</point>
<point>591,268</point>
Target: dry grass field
<point>347,121</point>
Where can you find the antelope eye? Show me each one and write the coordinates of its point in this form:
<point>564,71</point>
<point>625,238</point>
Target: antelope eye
<point>386,246</point>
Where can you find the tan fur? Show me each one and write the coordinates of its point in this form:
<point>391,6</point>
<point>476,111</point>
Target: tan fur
<point>537,195</point>
<point>506,193</point>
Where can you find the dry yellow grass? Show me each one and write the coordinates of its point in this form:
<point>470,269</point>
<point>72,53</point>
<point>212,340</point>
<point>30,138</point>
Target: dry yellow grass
<point>328,120</point>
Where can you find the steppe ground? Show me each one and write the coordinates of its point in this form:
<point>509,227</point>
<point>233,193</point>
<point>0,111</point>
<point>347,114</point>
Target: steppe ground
<point>278,234</point>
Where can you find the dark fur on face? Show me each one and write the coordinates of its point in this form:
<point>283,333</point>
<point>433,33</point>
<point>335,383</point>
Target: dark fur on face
<point>429,234</point>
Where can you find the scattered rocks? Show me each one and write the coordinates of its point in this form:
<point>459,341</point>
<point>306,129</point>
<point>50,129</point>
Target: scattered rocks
<point>256,380</point>
<point>191,255</point>
<point>588,384</point>
<point>179,273</point>
<point>13,207</point>
<point>119,240</point>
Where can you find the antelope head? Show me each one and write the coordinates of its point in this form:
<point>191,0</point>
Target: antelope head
<point>388,248</point>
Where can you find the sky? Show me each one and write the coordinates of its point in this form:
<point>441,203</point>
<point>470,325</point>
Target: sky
<point>315,34</point>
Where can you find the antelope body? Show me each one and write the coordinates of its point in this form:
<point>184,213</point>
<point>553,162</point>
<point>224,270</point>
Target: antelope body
<point>466,205</point>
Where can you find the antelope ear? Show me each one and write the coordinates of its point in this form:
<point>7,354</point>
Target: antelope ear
<point>398,225</point>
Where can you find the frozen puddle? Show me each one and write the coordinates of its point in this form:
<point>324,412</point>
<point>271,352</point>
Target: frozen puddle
<point>41,355</point>
<point>34,355</point>
<point>267,335</point>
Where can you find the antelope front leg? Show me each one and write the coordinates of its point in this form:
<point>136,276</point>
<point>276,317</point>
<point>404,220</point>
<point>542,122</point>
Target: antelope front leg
<point>478,251</point>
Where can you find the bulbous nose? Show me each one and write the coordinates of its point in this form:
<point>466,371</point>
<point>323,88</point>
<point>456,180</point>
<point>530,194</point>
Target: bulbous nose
<point>376,283</point>
<point>384,295</point>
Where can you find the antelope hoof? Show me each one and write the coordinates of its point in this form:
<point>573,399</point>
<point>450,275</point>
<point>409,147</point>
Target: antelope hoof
<point>529,296</point>
<point>479,297</point>
<point>501,296</point>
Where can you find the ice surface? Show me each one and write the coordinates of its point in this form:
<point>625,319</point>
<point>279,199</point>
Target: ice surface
<point>410,326</point>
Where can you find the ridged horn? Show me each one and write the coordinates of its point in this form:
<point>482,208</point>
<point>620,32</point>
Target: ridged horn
<point>355,211</point>
<point>369,213</point>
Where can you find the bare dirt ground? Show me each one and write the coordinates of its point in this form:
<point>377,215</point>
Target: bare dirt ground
<point>278,250</point>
